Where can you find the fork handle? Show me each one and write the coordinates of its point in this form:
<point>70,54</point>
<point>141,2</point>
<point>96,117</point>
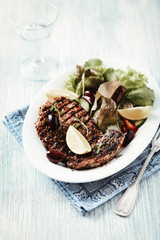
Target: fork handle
<point>126,202</point>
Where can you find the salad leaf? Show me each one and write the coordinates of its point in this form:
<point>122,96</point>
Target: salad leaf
<point>143,96</point>
<point>107,114</point>
<point>95,104</point>
<point>92,63</point>
<point>71,82</point>
<point>79,88</point>
<point>93,82</point>
<point>74,84</point>
<point>133,79</point>
<point>112,75</point>
<point>107,89</point>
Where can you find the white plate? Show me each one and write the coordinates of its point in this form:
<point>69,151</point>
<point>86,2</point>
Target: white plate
<point>37,153</point>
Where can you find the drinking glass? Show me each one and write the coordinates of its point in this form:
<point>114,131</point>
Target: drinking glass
<point>34,22</point>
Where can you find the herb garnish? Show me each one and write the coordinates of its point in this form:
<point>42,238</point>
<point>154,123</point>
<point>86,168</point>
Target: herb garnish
<point>118,155</point>
<point>80,122</point>
<point>53,108</point>
<point>100,145</point>
<point>77,125</point>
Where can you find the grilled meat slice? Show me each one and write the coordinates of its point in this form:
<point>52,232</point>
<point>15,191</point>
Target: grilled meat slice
<point>109,147</point>
<point>104,148</point>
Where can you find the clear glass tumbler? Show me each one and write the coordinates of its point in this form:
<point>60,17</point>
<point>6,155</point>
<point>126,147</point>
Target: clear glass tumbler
<point>34,22</point>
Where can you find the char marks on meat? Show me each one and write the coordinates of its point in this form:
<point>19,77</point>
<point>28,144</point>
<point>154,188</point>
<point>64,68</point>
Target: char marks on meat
<point>68,111</point>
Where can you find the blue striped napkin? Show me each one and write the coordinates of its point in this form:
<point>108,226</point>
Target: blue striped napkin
<point>87,196</point>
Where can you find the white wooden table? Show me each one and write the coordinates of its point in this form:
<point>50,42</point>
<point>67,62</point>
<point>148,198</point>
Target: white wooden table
<point>31,206</point>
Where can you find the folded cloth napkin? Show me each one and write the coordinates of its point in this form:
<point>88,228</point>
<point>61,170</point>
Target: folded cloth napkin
<point>87,196</point>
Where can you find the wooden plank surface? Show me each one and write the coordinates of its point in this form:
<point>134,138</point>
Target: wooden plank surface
<point>31,206</point>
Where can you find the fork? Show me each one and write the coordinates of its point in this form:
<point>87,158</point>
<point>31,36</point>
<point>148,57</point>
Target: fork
<point>126,202</point>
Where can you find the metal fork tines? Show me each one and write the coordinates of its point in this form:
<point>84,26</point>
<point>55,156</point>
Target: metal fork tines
<point>156,141</point>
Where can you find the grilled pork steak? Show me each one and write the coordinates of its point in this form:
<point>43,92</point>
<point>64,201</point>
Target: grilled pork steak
<point>61,113</point>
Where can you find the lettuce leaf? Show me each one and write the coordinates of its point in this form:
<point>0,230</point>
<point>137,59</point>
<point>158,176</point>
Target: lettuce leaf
<point>112,75</point>
<point>132,79</point>
<point>93,81</point>
<point>71,82</point>
<point>143,96</point>
<point>79,88</point>
<point>92,64</point>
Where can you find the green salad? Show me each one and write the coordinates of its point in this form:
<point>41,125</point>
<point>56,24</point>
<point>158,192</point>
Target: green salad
<point>94,73</point>
<point>112,96</point>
